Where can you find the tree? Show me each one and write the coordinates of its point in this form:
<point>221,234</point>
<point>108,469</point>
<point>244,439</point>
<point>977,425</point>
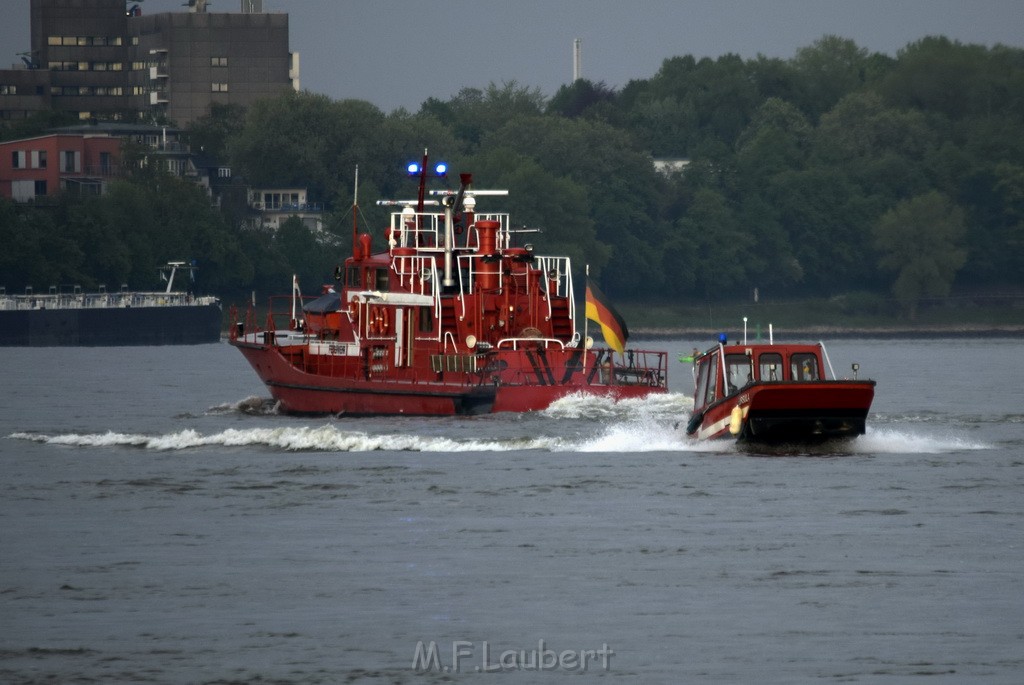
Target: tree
<point>708,251</point>
<point>580,98</point>
<point>305,140</point>
<point>777,139</point>
<point>474,112</point>
<point>920,241</point>
<point>209,135</point>
<point>827,70</point>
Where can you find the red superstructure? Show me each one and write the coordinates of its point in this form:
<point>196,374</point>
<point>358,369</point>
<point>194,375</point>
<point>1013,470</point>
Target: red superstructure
<point>771,393</point>
<point>452,318</point>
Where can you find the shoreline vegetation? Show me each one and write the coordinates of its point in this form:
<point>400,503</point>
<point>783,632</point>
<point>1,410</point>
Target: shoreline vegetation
<point>829,319</point>
<point>834,332</point>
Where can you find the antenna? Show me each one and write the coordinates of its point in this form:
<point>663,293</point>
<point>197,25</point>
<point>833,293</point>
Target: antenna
<point>577,60</point>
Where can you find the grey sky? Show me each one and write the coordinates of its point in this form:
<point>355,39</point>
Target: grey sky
<point>397,53</point>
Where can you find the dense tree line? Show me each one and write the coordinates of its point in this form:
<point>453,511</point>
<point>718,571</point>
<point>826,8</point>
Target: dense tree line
<point>832,172</point>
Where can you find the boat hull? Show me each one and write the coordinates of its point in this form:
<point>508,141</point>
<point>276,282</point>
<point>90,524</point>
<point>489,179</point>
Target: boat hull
<point>302,392</point>
<point>111,326</point>
<point>788,412</point>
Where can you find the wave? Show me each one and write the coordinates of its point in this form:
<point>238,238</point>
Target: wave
<point>250,406</point>
<point>669,406</point>
<point>618,438</point>
<point>898,441</point>
<point>629,437</point>
<point>579,423</point>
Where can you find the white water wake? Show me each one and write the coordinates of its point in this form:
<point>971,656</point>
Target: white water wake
<point>622,437</point>
<point>651,424</point>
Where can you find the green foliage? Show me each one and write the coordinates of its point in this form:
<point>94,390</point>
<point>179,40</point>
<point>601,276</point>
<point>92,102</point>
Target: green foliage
<point>836,171</point>
<point>920,241</point>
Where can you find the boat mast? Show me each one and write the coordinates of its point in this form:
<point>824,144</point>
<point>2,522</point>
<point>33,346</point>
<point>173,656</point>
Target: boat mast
<point>355,212</point>
<point>423,186</point>
<point>170,279</point>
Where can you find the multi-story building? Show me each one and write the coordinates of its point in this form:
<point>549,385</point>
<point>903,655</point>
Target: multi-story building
<point>43,166</point>
<point>274,206</point>
<point>99,59</point>
<point>83,159</point>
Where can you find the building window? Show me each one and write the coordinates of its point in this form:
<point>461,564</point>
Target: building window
<point>135,40</point>
<point>40,188</point>
<point>8,90</point>
<point>224,172</point>
<point>38,159</point>
<point>70,161</point>
<point>53,40</point>
<point>218,61</point>
<point>18,159</point>
<point>219,87</point>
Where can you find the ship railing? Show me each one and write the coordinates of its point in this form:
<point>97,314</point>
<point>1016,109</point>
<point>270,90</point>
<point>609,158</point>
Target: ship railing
<point>632,367</point>
<point>601,367</point>
<point>425,231</point>
<point>516,343</point>
<point>418,274</point>
<point>102,300</point>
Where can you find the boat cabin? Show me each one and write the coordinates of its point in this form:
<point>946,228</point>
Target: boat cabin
<point>724,370</point>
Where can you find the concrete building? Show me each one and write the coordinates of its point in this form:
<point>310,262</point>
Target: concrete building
<point>44,166</point>
<point>106,59</point>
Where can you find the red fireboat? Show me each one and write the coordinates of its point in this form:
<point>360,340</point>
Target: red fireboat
<point>453,317</point>
<point>772,393</point>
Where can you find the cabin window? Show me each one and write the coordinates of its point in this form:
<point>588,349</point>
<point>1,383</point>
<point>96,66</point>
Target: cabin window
<point>769,367</point>
<point>709,394</point>
<point>702,383</point>
<point>803,366</point>
<point>426,319</point>
<point>382,279</point>
<point>739,372</point>
<point>352,276</point>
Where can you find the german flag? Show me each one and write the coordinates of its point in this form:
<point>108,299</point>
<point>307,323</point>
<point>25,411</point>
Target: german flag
<point>613,327</point>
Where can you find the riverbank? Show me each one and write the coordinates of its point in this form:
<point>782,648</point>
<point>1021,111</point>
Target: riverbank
<point>853,316</point>
<point>781,333</point>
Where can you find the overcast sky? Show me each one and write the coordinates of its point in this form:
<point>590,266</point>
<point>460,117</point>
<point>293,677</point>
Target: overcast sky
<point>397,53</point>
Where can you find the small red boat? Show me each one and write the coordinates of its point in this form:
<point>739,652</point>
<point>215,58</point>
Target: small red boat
<point>775,393</point>
<point>453,317</point>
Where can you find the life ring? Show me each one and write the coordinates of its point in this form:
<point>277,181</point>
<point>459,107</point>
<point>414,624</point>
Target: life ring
<point>353,313</point>
<point>378,321</point>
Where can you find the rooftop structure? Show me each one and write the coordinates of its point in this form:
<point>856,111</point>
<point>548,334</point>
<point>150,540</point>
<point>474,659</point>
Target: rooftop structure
<point>106,59</point>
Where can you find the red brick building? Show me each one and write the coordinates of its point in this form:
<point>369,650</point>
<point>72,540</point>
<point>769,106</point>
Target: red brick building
<point>50,164</point>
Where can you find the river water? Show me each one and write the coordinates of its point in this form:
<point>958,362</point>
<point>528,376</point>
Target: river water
<point>161,523</point>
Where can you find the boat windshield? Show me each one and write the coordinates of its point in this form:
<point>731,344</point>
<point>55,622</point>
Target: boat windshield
<point>770,366</point>
<point>738,372</point>
<point>803,366</point>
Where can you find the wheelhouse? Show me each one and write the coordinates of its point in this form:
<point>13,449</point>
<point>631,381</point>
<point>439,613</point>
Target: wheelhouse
<point>725,370</point>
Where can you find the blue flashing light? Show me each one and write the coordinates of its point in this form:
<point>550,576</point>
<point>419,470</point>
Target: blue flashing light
<point>723,338</point>
<point>415,169</point>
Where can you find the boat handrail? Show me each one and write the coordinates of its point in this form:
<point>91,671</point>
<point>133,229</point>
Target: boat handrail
<point>724,370</point>
<point>408,229</point>
<point>516,342</point>
<point>828,361</point>
<point>449,336</point>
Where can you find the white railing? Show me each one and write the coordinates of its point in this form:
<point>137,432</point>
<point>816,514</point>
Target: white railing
<point>101,301</point>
